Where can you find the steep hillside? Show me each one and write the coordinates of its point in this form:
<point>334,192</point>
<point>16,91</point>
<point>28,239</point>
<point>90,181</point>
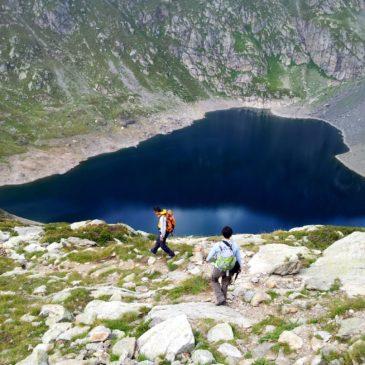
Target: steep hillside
<point>77,67</point>
<point>92,294</point>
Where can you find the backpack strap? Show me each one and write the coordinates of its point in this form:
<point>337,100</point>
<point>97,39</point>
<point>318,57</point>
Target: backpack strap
<point>228,245</point>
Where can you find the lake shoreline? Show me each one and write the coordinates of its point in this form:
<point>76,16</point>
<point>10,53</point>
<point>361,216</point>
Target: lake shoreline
<point>63,155</point>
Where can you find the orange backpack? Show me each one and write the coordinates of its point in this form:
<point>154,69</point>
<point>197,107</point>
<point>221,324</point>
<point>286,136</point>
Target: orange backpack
<point>170,221</point>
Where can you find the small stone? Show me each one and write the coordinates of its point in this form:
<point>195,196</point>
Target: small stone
<point>290,338</point>
<point>271,283</point>
<point>325,336</point>
<point>124,348</point>
<point>259,297</point>
<point>220,332</point>
<point>151,261</point>
<point>99,334</point>
<point>202,357</point>
<point>230,351</point>
<point>118,334</point>
<point>129,278</point>
<point>27,318</point>
<point>41,290</point>
<point>289,309</point>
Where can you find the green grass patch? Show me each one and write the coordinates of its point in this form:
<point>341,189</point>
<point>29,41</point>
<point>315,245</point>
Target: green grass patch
<point>101,234</point>
<point>338,307</point>
<point>194,285</point>
<point>6,264</point>
<point>280,324</point>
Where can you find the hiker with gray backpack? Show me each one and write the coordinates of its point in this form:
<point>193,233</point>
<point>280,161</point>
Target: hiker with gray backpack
<point>227,263</point>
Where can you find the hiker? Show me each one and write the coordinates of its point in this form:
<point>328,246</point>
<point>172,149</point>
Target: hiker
<point>166,225</point>
<point>227,262</point>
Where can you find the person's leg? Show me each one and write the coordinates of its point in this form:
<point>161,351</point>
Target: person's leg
<point>157,245</point>
<point>216,274</point>
<point>166,248</point>
<point>226,280</point>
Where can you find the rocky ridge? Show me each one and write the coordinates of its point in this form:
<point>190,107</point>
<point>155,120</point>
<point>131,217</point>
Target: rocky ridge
<point>72,68</point>
<point>91,293</point>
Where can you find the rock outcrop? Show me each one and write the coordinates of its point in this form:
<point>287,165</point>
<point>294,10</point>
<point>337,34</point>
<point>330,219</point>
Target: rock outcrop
<point>344,261</point>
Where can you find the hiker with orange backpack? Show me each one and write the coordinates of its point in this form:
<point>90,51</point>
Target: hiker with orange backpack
<point>166,225</point>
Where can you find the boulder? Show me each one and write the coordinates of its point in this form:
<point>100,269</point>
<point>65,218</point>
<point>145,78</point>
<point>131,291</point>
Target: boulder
<point>78,242</point>
<point>343,260</point>
<point>29,233</point>
<point>230,351</point>
<point>55,313</point>
<point>34,247</point>
<point>54,331</point>
<point>202,357</point>
<point>125,348</point>
<point>291,339</point>
<point>277,259</point>
<point>38,356</point>
<point>70,334</point>
<point>351,327</point>
<point>167,339</point>
<point>4,236</point>
<point>95,222</point>
<point>248,239</point>
<point>197,311</point>
<point>220,332</point>
<point>99,309</point>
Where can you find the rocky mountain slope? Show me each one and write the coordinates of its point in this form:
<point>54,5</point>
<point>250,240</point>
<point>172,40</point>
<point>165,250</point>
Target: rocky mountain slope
<point>71,67</point>
<point>91,293</point>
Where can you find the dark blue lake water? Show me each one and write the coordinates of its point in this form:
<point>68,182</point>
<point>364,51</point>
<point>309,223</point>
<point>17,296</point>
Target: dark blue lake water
<point>245,168</point>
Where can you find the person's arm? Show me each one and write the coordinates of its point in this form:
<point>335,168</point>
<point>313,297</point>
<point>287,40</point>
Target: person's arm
<point>162,226</point>
<point>213,252</point>
<point>237,254</point>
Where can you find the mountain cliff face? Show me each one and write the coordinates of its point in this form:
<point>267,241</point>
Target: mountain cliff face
<point>73,67</point>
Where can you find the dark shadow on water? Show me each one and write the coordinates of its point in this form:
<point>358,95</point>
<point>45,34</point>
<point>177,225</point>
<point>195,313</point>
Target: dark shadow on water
<point>247,168</point>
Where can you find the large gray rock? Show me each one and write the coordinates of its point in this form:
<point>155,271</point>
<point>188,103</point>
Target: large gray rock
<point>55,313</point>
<point>351,326</point>
<point>277,259</point>
<point>196,311</point>
<point>72,333</point>
<point>343,260</point>
<point>29,233</point>
<point>167,339</point>
<point>99,309</point>
<point>4,236</point>
<point>37,357</point>
<point>54,331</point>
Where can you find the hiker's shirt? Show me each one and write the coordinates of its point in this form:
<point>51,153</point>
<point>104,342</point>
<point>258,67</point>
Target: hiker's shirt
<point>162,225</point>
<point>220,246</point>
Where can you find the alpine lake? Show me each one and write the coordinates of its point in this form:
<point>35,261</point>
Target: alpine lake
<point>242,167</point>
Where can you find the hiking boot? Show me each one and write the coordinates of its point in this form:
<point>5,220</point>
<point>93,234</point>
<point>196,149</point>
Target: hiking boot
<point>223,302</point>
<point>170,258</point>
